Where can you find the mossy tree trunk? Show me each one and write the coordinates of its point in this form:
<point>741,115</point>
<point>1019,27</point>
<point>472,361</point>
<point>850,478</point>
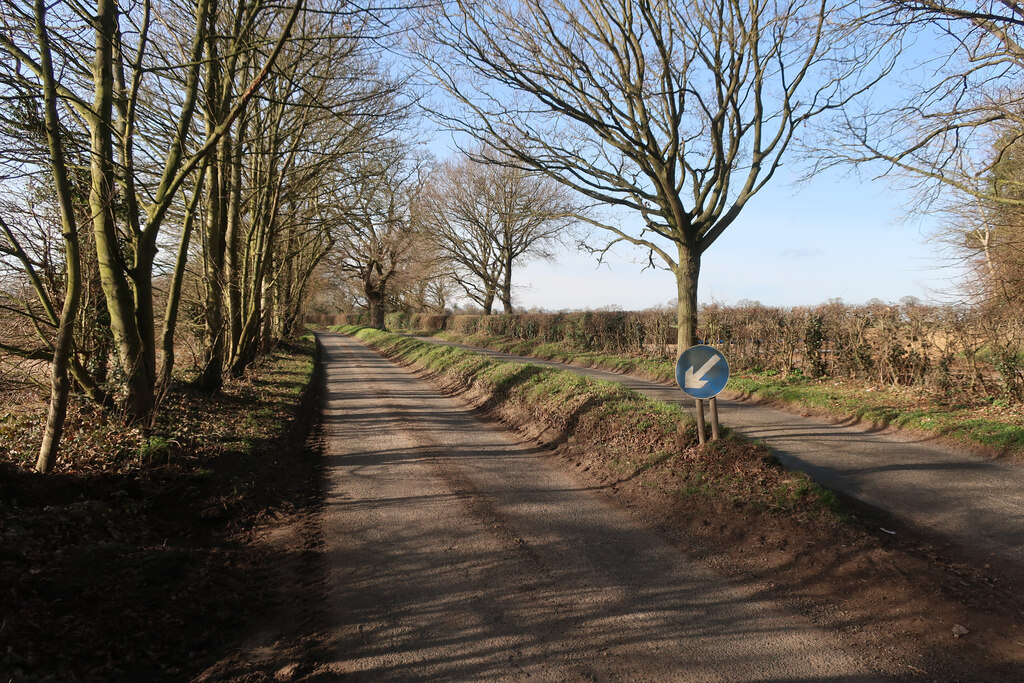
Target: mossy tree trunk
<point>129,341</point>
<point>60,385</point>
<point>375,300</point>
<point>687,273</point>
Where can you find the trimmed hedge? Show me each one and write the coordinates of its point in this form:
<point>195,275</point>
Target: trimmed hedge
<point>946,348</point>
<point>645,333</point>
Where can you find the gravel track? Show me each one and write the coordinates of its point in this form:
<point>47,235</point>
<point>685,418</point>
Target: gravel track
<point>458,551</point>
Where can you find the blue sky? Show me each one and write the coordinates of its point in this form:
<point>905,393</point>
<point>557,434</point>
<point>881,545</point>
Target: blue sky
<point>835,236</point>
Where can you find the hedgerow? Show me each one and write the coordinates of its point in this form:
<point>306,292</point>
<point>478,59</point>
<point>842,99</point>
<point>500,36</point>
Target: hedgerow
<point>949,349</point>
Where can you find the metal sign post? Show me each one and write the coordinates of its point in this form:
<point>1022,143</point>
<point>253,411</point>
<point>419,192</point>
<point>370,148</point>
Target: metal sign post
<point>701,431</point>
<point>714,417</point>
<point>702,373</point>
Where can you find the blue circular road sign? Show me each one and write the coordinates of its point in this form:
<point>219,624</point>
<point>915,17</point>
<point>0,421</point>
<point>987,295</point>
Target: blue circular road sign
<point>702,371</point>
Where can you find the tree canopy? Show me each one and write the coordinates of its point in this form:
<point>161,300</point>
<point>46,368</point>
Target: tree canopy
<point>678,112</point>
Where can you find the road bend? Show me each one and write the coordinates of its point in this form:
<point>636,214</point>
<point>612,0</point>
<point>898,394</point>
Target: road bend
<point>458,551</point>
<point>973,502</point>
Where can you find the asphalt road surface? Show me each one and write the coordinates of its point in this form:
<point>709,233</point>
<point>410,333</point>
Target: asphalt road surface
<point>972,501</point>
<point>457,551</point>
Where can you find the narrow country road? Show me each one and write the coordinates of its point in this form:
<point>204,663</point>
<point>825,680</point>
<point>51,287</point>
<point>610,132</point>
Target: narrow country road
<point>457,551</point>
<point>975,502</point>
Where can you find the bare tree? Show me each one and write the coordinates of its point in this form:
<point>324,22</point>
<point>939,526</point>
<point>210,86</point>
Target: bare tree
<point>94,78</point>
<point>954,132</point>
<point>375,232</point>
<point>229,63</point>
<point>487,218</point>
<point>238,123</point>
<point>266,229</point>
<point>459,222</point>
<point>954,109</point>
<point>986,232</point>
<point>60,385</point>
<point>426,282</point>
<point>678,112</point>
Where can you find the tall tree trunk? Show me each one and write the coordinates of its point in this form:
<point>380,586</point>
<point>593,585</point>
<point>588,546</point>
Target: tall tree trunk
<point>95,342</point>
<point>285,292</point>
<point>128,342</point>
<point>232,239</point>
<point>687,273</point>
<point>293,323</point>
<point>174,293</point>
<point>60,385</point>
<point>488,302</point>
<point>145,319</point>
<point>249,338</point>
<point>506,278</point>
<point>144,247</point>
<point>375,297</point>
<point>267,333</point>
<point>245,354</point>
<point>211,377</point>
<point>260,259</point>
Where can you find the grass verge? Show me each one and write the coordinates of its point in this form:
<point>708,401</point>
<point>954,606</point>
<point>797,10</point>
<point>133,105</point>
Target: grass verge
<point>997,427</point>
<point>654,369</point>
<point>993,425</point>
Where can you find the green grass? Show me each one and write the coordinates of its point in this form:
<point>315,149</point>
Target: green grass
<point>155,450</point>
<point>983,423</point>
<point>657,369</point>
<point>994,425</point>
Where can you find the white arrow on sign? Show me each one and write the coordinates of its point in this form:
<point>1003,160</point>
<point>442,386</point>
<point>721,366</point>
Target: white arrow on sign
<point>695,380</point>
